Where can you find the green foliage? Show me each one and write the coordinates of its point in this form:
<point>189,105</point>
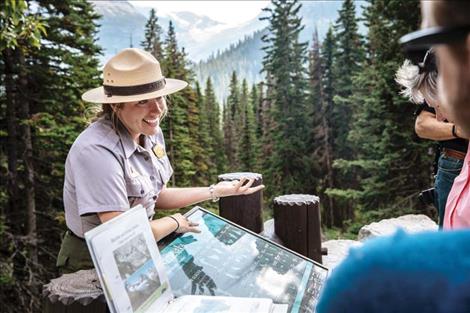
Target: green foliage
<point>51,80</point>
<point>336,233</point>
<point>180,126</point>
<point>152,42</point>
<point>393,165</point>
<point>241,57</point>
<point>215,138</point>
<point>247,146</point>
<point>231,118</point>
<point>19,29</point>
<point>284,65</point>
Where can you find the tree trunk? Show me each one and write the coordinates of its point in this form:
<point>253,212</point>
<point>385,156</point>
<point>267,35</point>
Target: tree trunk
<point>329,172</point>
<point>329,160</point>
<point>12,150</point>
<point>27,155</point>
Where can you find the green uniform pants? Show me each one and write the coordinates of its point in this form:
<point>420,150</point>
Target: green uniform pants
<point>73,255</point>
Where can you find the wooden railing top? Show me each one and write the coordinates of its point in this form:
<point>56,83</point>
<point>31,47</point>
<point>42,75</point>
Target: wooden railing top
<point>82,286</point>
<point>296,199</point>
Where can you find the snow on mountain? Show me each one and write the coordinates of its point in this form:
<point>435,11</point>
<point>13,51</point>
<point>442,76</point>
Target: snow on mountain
<point>122,25</point>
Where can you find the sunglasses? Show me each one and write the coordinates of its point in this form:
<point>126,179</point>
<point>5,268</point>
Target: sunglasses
<point>428,64</point>
<point>421,40</point>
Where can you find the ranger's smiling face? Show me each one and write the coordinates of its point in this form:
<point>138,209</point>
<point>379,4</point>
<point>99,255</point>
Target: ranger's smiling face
<point>142,117</point>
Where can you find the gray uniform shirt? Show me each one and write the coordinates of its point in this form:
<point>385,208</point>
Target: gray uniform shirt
<point>106,171</point>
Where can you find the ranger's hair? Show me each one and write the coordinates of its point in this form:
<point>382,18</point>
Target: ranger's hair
<point>107,112</point>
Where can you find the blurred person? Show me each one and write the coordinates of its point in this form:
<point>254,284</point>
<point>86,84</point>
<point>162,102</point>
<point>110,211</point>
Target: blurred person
<point>419,82</point>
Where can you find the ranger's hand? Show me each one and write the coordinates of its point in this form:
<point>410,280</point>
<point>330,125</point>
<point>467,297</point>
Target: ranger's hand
<point>185,225</point>
<point>236,188</point>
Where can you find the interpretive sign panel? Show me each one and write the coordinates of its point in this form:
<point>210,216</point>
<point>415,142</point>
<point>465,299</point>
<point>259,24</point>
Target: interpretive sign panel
<point>133,277</point>
<point>228,260</point>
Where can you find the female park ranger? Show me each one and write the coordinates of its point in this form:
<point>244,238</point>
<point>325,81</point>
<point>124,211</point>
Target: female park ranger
<point>119,161</point>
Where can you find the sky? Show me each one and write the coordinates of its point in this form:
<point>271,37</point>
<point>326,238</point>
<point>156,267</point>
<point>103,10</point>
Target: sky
<point>232,13</point>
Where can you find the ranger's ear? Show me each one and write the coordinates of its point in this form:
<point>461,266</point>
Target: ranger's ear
<point>116,107</point>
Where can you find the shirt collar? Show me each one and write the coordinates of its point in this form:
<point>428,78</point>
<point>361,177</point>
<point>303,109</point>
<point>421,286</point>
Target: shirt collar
<point>128,144</point>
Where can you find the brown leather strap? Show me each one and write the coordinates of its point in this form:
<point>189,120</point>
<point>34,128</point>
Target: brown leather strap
<point>134,90</point>
<point>453,153</point>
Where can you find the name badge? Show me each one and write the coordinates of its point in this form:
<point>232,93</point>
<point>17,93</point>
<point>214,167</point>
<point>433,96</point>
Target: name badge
<point>159,151</point>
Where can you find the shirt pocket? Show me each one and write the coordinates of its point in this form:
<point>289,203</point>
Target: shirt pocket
<point>165,169</point>
<point>138,191</point>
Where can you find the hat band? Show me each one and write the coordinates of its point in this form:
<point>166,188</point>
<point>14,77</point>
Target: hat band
<point>134,90</point>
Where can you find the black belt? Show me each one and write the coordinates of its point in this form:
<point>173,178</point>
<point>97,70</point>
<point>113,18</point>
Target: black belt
<point>75,236</point>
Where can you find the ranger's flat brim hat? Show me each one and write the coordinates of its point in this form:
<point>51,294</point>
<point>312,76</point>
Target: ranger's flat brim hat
<point>132,75</point>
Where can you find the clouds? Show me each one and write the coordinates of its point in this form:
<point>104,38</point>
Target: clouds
<point>232,13</point>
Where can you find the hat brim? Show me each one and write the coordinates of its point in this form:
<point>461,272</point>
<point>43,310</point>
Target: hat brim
<point>425,38</point>
<point>97,95</point>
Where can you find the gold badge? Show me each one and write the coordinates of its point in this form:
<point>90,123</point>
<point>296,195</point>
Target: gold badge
<point>158,151</point>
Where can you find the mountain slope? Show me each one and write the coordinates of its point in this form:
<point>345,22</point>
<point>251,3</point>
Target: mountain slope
<point>246,56</point>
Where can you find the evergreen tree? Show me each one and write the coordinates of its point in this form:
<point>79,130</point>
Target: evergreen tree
<point>257,93</point>
<point>349,55</point>
<point>321,141</point>
<point>393,166</point>
<point>247,145</point>
<point>267,125</point>
<point>198,136</point>
<point>215,136</point>
<point>49,116</point>
<point>240,117</point>
<point>348,58</point>
<point>179,126</point>
<point>284,62</point>
<point>231,117</point>
<point>153,32</point>
<point>203,136</point>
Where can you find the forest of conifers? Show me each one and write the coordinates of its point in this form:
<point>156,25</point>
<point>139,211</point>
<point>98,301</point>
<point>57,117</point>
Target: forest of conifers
<point>327,120</point>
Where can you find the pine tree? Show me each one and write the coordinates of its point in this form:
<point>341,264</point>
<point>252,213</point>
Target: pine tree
<point>267,125</point>
<point>49,116</point>
<point>153,32</point>
<point>179,126</point>
<point>231,117</point>
<point>215,136</point>
<point>321,86</point>
<point>349,56</point>
<point>393,166</point>
<point>284,62</point>
<point>204,138</point>
<point>247,145</point>
<point>198,136</point>
<point>320,143</point>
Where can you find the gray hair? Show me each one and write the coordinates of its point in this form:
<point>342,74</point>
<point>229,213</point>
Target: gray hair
<point>416,86</point>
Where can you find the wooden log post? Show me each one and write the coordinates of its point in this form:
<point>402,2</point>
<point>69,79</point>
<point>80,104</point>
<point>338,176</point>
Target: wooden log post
<point>78,292</point>
<point>246,210</point>
<point>297,223</point>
